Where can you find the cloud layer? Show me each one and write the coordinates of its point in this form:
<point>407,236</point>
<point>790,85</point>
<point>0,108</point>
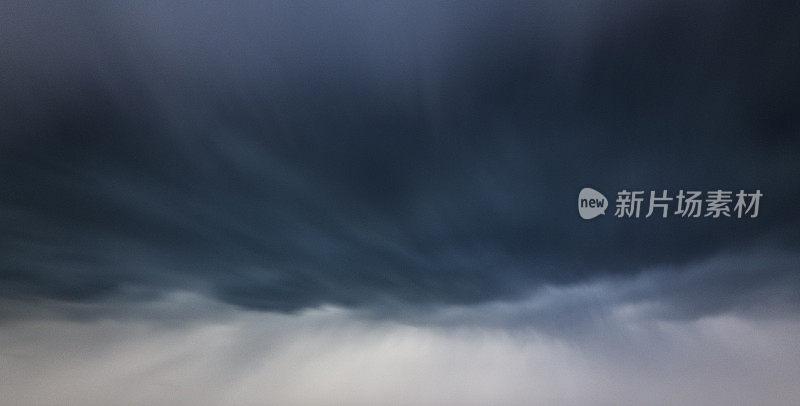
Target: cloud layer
<point>315,202</point>
<point>287,155</point>
<point>332,356</point>
<point>665,336</point>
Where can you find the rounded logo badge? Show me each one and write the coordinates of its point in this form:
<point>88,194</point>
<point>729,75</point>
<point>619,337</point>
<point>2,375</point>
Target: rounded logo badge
<point>591,203</point>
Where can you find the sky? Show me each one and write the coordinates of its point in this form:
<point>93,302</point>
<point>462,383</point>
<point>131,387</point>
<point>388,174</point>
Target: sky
<point>366,202</point>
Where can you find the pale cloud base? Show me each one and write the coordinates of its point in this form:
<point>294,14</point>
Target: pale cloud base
<point>331,356</point>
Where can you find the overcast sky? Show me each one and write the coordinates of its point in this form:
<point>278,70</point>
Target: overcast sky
<point>347,202</point>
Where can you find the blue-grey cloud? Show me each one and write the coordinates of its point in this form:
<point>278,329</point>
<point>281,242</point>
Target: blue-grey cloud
<point>287,155</point>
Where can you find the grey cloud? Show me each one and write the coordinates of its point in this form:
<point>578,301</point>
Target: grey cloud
<point>330,356</point>
<point>286,155</point>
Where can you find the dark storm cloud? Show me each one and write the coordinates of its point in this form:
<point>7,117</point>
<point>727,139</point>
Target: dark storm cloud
<point>285,155</point>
